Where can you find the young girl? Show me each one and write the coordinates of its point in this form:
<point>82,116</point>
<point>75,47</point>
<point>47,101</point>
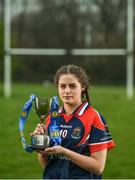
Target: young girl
<point>84,132</point>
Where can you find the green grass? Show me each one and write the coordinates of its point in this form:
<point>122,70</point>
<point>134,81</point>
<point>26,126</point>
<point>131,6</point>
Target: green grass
<point>110,101</point>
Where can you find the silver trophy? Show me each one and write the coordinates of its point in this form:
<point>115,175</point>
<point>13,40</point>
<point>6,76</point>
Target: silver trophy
<point>42,108</point>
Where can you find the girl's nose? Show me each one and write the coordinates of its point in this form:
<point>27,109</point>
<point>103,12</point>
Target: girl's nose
<point>67,90</point>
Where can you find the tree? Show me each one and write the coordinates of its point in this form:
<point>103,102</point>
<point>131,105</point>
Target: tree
<point>1,39</point>
<point>71,24</point>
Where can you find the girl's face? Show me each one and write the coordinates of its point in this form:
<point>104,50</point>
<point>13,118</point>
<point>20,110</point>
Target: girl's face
<point>69,89</point>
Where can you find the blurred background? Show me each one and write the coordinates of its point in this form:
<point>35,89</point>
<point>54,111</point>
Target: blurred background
<point>63,32</point>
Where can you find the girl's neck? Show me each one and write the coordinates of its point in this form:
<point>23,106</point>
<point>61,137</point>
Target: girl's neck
<point>70,108</point>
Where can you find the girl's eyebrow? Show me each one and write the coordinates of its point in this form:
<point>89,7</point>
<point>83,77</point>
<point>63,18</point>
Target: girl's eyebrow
<point>68,84</point>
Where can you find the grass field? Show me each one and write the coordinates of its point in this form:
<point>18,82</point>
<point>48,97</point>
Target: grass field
<point>110,101</point>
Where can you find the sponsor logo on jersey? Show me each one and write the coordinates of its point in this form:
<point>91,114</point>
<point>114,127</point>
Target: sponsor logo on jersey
<point>58,156</point>
<point>65,126</point>
<point>76,133</point>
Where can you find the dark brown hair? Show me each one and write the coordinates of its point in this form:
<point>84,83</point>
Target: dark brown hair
<point>79,73</point>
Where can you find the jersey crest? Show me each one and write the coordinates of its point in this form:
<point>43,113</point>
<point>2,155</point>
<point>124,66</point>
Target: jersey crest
<point>76,133</point>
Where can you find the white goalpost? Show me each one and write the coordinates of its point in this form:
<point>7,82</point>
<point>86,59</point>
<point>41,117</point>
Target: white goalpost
<point>128,52</point>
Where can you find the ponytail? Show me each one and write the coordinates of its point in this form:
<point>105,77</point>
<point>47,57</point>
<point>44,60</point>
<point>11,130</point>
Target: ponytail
<point>85,95</point>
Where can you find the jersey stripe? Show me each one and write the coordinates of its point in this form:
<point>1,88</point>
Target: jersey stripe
<point>98,116</point>
<point>100,143</point>
<point>83,109</point>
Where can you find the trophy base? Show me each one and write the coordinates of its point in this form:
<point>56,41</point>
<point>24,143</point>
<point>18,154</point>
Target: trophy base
<point>40,142</point>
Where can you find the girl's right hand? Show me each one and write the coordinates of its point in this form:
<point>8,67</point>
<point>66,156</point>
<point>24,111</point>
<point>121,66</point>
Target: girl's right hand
<point>40,129</point>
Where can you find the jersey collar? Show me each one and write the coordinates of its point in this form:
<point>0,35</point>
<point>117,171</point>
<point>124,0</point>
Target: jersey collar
<point>79,111</point>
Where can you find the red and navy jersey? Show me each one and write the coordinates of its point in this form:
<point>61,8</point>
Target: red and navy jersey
<point>85,131</point>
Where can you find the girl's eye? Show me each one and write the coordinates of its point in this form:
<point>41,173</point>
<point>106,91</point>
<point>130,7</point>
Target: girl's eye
<point>72,86</point>
<point>62,86</point>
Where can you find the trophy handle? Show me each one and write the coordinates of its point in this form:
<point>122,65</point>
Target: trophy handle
<point>42,119</point>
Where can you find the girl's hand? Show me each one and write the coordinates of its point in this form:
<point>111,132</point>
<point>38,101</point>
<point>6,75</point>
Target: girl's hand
<point>42,152</point>
<point>55,150</point>
<point>40,129</point>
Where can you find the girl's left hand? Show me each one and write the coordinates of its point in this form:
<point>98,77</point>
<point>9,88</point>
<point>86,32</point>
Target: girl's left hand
<point>55,150</point>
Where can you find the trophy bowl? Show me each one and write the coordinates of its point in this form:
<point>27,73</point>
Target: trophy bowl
<point>40,142</point>
<point>42,108</point>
